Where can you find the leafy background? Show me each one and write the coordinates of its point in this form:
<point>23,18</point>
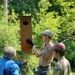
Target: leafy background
<point>56,15</point>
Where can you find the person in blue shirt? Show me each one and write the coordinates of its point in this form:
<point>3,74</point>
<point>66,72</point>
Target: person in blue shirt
<point>7,65</point>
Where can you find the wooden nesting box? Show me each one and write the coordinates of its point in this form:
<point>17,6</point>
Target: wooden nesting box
<point>25,33</point>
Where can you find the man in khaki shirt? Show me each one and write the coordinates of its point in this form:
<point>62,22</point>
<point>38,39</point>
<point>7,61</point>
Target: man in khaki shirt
<point>62,66</point>
<point>45,55</point>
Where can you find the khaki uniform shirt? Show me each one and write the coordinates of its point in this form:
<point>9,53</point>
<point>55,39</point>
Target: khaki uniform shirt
<point>62,67</point>
<point>47,55</point>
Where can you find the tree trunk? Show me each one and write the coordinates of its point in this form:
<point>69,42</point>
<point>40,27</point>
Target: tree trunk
<point>5,3</point>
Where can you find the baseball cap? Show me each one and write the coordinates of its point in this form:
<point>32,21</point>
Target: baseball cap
<point>47,32</point>
<point>59,46</point>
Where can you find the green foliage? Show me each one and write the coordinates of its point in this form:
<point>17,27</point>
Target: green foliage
<point>23,5</point>
<point>73,73</point>
<point>56,15</point>
<point>9,32</point>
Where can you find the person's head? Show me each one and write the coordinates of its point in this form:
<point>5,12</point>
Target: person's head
<point>59,49</point>
<point>9,52</point>
<point>47,34</point>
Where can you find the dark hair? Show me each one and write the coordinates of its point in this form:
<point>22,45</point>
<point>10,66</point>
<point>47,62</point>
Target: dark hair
<point>60,52</point>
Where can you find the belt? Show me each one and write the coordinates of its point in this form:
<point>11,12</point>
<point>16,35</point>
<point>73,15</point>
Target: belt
<point>44,66</point>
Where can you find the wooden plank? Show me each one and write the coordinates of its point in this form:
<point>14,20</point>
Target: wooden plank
<point>25,33</point>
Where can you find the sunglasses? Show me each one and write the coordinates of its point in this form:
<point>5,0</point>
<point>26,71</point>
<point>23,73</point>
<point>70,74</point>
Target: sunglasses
<point>44,35</point>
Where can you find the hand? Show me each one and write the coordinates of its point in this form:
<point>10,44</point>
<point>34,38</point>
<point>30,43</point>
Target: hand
<point>25,62</point>
<point>34,47</point>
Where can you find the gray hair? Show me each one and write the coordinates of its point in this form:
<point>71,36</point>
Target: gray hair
<point>9,52</point>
